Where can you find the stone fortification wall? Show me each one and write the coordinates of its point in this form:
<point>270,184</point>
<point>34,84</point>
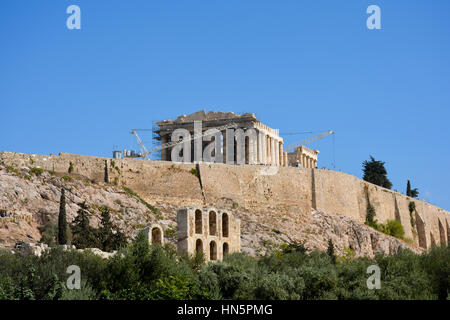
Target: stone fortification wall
<point>257,188</point>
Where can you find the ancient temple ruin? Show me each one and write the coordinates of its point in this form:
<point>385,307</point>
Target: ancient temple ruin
<point>303,157</point>
<point>265,147</point>
<point>209,230</point>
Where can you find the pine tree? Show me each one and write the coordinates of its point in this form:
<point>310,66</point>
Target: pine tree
<point>413,193</point>
<point>375,172</point>
<point>330,251</point>
<point>84,236</point>
<point>106,172</point>
<point>62,222</point>
<point>106,231</point>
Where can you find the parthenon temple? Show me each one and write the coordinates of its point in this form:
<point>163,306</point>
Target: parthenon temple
<point>260,143</point>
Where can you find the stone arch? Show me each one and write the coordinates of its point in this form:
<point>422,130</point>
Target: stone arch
<point>212,250</point>
<point>225,225</point>
<point>154,234</point>
<point>442,233</point>
<point>212,223</point>
<point>198,221</point>
<point>157,237</point>
<point>421,232</point>
<point>225,248</point>
<point>199,246</point>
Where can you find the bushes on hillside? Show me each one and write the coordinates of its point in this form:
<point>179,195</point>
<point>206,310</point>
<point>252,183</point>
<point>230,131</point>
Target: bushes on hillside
<point>141,271</point>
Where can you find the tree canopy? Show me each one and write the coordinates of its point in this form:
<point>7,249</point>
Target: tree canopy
<point>375,172</point>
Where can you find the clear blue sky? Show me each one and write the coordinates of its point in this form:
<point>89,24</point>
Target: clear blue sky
<point>299,65</point>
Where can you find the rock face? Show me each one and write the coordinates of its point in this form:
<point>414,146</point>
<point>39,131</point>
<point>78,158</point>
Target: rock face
<point>32,200</point>
<point>346,232</point>
<point>37,249</point>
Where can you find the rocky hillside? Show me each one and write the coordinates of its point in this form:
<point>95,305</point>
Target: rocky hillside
<point>31,199</point>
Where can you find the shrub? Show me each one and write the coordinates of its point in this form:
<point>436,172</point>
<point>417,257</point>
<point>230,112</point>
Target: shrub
<point>70,170</point>
<point>395,229</point>
<point>36,171</point>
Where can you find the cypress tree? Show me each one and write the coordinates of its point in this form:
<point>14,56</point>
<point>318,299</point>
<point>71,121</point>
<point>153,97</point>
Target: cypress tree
<point>62,222</point>
<point>330,251</point>
<point>106,172</point>
<point>408,188</point>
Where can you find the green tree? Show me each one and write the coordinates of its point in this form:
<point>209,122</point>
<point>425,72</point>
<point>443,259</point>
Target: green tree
<point>62,222</point>
<point>84,236</point>
<point>375,172</point>
<point>106,172</point>
<point>413,193</point>
<point>110,235</point>
<point>330,251</point>
<point>408,188</point>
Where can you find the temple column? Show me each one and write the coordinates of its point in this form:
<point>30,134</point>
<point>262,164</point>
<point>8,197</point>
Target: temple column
<point>261,150</point>
<point>164,152</point>
<point>273,150</point>
<point>286,162</point>
<point>277,152</point>
<point>224,146</point>
<point>280,153</point>
<point>269,150</point>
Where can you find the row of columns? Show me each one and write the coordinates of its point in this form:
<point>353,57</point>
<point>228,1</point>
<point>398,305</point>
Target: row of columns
<point>308,162</point>
<point>270,150</point>
<point>267,150</point>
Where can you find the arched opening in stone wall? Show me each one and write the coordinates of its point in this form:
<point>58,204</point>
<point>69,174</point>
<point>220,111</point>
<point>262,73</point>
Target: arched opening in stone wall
<point>225,225</point>
<point>442,233</point>
<point>212,223</point>
<point>198,221</point>
<point>198,246</point>
<point>225,249</point>
<point>421,232</point>
<point>212,250</point>
<point>156,236</point>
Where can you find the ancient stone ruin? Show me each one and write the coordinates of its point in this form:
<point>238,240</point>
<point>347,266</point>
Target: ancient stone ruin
<point>264,147</point>
<point>154,234</point>
<point>209,230</point>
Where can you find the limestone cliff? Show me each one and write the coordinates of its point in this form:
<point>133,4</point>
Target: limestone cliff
<point>268,217</point>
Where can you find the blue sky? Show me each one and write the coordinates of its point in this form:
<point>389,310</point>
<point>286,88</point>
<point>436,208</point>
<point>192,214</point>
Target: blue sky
<point>299,65</point>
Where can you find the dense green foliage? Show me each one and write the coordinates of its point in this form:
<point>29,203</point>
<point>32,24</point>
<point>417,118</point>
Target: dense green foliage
<point>141,271</point>
<point>391,227</point>
<point>375,172</point>
<point>84,235</point>
<point>110,236</point>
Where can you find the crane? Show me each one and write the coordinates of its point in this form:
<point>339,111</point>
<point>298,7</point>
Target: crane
<point>320,136</point>
<point>145,153</point>
<point>140,143</point>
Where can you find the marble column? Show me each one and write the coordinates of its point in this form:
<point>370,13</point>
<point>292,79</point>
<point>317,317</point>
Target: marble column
<point>261,151</point>
<point>280,153</point>
<point>274,152</point>
<point>165,151</point>
<point>224,146</point>
<point>276,148</point>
